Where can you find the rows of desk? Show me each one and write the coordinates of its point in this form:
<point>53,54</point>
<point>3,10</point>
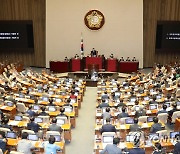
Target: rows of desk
<point>122,128</point>
<point>27,101</point>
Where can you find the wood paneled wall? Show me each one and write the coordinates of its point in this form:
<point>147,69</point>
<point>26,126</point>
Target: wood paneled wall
<point>155,10</point>
<point>34,10</point>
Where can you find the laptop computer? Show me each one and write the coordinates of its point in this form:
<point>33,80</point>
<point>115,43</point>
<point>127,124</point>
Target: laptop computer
<point>11,135</point>
<point>18,118</point>
<point>52,108</point>
<point>129,121</point>
<point>38,120</point>
<point>33,137</point>
<point>150,119</point>
<point>153,106</point>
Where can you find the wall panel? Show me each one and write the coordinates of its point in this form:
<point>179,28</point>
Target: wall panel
<point>154,10</point>
<point>26,10</point>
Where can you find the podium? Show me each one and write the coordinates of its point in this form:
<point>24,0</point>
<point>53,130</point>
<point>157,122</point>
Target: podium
<point>59,66</point>
<point>94,60</point>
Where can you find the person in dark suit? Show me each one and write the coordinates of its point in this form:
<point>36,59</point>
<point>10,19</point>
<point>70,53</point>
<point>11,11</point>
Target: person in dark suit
<point>4,124</point>
<point>43,113</point>
<point>33,126</point>
<point>170,113</point>
<point>135,127</point>
<point>62,110</point>
<point>158,149</point>
<point>93,53</point>
<point>107,113</point>
<point>141,112</point>
<point>54,126</point>
<point>153,100</point>
<point>123,114</point>
<point>156,126</point>
<point>3,141</point>
<point>112,148</point>
<point>177,145</point>
<point>163,110</point>
<point>108,127</point>
<point>103,104</point>
<point>30,111</point>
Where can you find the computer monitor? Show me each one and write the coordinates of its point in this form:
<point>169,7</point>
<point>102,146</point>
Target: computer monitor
<point>10,104</point>
<point>58,100</point>
<point>68,108</point>
<point>129,138</point>
<point>57,138</point>
<point>133,99</point>
<point>150,119</point>
<point>117,93</point>
<point>11,135</point>
<point>153,106</point>
<point>33,137</point>
<point>129,121</point>
<point>137,107</point>
<point>146,98</point>
<point>126,87</point>
<point>178,103</point>
<point>153,136</point>
<point>46,99</point>
<point>52,108</point>
<point>36,107</point>
<point>55,87</point>
<point>40,90</point>
<point>51,92</point>
<point>172,134</point>
<point>108,139</point>
<point>61,121</point>
<point>18,118</point>
<point>38,120</point>
<point>73,101</point>
<point>21,96</point>
<point>167,104</point>
<point>158,97</point>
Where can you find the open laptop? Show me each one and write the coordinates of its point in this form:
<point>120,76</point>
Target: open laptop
<point>38,120</point>
<point>61,121</point>
<point>68,109</point>
<point>153,106</point>
<point>150,119</point>
<point>36,107</point>
<point>173,134</point>
<point>18,118</point>
<point>10,104</point>
<point>46,99</point>
<point>57,138</point>
<point>129,121</point>
<point>52,108</point>
<point>11,135</point>
<point>33,137</point>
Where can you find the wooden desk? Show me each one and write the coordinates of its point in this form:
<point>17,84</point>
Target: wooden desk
<point>9,110</point>
<point>177,125</point>
<point>38,145</point>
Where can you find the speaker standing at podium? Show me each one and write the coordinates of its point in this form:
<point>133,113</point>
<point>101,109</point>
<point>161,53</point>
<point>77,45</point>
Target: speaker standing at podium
<point>94,53</point>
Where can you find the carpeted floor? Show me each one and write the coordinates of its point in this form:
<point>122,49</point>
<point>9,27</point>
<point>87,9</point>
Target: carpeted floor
<point>83,135</point>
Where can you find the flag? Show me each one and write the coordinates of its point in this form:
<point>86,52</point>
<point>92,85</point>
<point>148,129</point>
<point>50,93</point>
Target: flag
<point>82,46</point>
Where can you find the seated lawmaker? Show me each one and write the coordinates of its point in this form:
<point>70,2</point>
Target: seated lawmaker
<point>103,104</point>
<point>33,126</point>
<point>121,59</point>
<point>135,127</point>
<point>156,126</point>
<point>3,141</point>
<point>51,148</point>
<point>54,126</point>
<point>43,111</point>
<point>62,114</point>
<point>24,145</point>
<point>164,107</point>
<point>111,56</point>
<point>134,59</point>
<point>30,111</point>
<point>123,114</point>
<point>128,59</point>
<point>4,123</point>
<point>177,145</point>
<point>112,148</point>
<point>106,114</point>
<point>94,53</point>
<point>108,127</point>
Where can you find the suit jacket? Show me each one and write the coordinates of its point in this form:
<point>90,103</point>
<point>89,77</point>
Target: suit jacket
<point>177,148</point>
<point>103,105</point>
<point>55,127</point>
<point>106,115</point>
<point>162,111</point>
<point>137,151</point>
<point>135,127</point>
<point>155,127</point>
<point>108,128</point>
<point>122,115</point>
<point>111,149</point>
<point>43,113</point>
<point>33,126</point>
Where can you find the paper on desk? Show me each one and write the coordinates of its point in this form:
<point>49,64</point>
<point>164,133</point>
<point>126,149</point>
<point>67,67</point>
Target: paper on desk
<point>144,125</point>
<point>122,127</point>
<point>3,107</point>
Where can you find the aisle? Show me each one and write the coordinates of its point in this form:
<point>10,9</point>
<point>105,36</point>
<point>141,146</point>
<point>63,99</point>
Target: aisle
<point>83,135</point>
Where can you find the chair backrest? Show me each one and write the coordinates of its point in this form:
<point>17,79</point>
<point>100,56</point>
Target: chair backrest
<point>45,119</point>
<point>5,129</point>
<point>64,118</point>
<point>175,115</point>
<point>162,117</point>
<point>28,131</point>
<point>123,120</point>
<point>49,133</point>
<point>162,133</point>
<point>142,119</point>
<point>21,107</point>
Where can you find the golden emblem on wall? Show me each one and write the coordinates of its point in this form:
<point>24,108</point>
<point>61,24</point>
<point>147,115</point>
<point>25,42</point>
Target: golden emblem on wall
<point>94,19</point>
